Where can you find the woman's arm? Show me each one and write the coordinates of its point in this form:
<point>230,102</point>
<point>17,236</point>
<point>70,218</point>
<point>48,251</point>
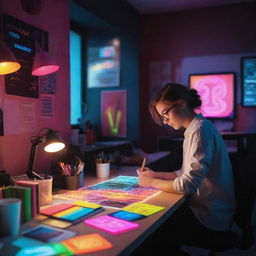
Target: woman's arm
<point>158,175</point>
<point>163,185</point>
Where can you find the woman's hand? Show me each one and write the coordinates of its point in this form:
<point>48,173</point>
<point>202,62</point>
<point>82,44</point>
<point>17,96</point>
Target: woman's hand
<point>145,181</point>
<point>146,171</point>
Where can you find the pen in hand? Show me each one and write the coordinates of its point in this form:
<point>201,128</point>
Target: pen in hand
<point>142,166</point>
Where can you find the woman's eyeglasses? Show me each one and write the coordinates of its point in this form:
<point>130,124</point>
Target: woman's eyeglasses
<point>164,116</point>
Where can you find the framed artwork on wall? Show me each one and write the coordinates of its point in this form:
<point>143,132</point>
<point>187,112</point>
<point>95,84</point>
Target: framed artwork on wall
<point>217,91</point>
<point>103,68</point>
<point>248,81</point>
<point>114,113</point>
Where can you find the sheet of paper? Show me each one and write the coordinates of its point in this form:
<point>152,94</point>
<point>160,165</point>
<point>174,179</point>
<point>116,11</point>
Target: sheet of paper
<point>27,116</point>
<point>47,106</point>
<point>143,209</point>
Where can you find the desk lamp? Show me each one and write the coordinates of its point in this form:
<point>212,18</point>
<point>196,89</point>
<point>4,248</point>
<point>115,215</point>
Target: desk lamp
<point>53,144</point>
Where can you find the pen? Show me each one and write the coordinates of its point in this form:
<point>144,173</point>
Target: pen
<point>143,164</point>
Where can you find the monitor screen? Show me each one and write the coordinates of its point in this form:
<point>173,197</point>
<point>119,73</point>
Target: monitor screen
<point>217,92</point>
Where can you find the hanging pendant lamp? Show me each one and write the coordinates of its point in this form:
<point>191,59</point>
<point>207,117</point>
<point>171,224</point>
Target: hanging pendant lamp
<point>8,62</point>
<point>44,63</point>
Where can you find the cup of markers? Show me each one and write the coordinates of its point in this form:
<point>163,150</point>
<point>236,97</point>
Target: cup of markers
<point>102,166</point>
<point>72,175</point>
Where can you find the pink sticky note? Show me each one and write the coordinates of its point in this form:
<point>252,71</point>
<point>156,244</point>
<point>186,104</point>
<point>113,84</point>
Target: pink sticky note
<point>55,208</point>
<point>112,225</point>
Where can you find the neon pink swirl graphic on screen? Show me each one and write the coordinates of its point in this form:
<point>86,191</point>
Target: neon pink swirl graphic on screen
<point>217,94</point>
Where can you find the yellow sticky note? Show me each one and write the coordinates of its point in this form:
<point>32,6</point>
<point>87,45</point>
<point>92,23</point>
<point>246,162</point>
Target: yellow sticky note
<point>143,209</point>
<point>66,212</point>
<point>87,204</point>
<point>57,223</point>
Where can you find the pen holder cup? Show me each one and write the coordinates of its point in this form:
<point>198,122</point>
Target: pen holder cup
<point>102,170</point>
<point>45,191</point>
<point>73,182</point>
<point>69,182</point>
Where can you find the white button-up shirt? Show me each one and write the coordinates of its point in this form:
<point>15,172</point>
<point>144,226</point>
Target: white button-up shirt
<point>206,175</point>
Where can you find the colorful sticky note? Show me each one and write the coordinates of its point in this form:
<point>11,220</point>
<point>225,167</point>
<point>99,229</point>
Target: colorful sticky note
<point>55,208</point>
<point>87,244</point>
<point>56,223</point>
<point>126,215</point>
<point>111,224</point>
<point>66,212</point>
<point>48,249</point>
<point>143,209</point>
<point>23,242</point>
<point>77,214</point>
<point>48,234</point>
<point>87,204</point>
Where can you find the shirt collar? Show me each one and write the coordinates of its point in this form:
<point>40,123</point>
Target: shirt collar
<point>193,124</point>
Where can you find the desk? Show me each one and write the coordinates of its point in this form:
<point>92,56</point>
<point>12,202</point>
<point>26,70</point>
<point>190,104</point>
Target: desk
<point>126,243</point>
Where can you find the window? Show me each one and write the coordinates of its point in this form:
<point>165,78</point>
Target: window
<point>75,77</point>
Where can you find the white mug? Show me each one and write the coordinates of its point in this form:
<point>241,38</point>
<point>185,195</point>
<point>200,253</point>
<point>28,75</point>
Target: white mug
<point>103,170</point>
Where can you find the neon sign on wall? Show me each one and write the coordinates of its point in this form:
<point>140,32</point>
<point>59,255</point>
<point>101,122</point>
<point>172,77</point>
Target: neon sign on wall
<point>217,93</point>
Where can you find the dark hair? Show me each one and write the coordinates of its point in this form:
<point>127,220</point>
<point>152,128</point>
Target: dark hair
<point>173,92</point>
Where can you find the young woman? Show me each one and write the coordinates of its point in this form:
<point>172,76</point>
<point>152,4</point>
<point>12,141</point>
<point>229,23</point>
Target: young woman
<point>205,176</point>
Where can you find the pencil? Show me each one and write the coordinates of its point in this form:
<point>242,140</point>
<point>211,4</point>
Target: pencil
<point>143,164</point>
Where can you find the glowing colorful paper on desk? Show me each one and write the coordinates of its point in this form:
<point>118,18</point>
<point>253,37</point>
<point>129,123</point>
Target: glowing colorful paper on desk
<point>143,209</point>
<point>118,192</point>
<point>48,234</point>
<point>112,225</point>
<point>47,249</point>
<point>87,243</point>
<point>126,215</point>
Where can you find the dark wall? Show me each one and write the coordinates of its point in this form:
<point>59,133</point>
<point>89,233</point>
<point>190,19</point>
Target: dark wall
<point>197,41</point>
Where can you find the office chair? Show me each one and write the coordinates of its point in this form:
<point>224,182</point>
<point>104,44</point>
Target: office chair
<point>245,192</point>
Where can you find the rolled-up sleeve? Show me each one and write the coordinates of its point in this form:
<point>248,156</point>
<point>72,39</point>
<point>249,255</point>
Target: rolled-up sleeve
<point>197,165</point>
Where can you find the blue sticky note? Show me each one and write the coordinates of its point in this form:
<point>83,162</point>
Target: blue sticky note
<point>77,214</point>
<point>127,215</point>
<point>24,242</point>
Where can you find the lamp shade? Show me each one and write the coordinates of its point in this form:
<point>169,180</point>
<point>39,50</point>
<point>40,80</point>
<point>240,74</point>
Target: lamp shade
<point>8,62</point>
<point>53,142</point>
<point>44,64</point>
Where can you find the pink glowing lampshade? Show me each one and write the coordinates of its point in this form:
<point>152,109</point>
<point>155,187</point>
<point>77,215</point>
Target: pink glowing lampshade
<point>44,64</point>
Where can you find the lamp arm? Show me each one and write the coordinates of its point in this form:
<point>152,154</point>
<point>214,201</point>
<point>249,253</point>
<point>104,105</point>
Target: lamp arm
<point>32,155</point>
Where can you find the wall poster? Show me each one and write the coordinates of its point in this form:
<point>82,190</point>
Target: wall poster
<point>21,39</point>
<point>104,65</point>
<point>113,113</point>
<point>248,81</point>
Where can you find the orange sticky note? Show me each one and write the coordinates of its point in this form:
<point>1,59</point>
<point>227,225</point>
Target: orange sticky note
<point>87,243</point>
